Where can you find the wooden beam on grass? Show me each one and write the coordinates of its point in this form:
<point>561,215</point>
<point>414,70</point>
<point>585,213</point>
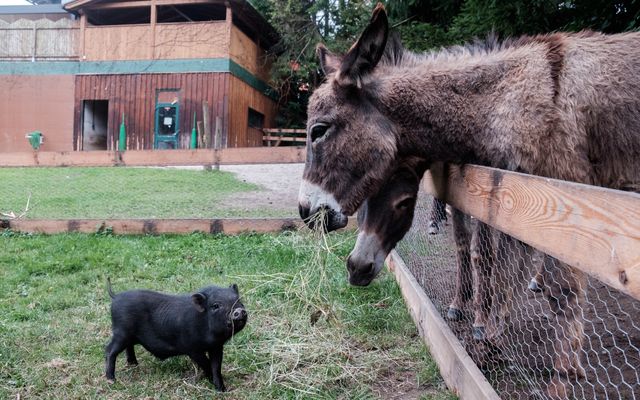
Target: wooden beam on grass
<point>593,229</point>
<point>133,226</point>
<point>458,370</point>
<point>227,156</point>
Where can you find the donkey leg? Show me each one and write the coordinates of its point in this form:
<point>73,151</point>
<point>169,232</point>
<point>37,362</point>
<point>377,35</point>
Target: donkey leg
<point>564,289</point>
<point>438,214</point>
<point>536,284</point>
<point>482,261</point>
<point>508,259</point>
<point>464,279</point>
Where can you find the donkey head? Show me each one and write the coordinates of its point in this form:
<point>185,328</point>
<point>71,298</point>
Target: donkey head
<point>351,145</point>
<point>383,221</point>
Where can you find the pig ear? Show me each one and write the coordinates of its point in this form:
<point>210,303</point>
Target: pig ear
<point>199,301</point>
<point>235,288</point>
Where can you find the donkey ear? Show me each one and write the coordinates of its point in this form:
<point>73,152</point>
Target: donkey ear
<point>365,54</point>
<point>199,301</point>
<point>329,62</point>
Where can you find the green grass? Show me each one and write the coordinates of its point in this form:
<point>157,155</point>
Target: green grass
<point>54,319</point>
<point>120,193</point>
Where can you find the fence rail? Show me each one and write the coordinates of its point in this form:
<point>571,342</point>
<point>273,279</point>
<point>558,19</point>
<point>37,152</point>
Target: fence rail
<point>594,229</point>
<point>246,155</point>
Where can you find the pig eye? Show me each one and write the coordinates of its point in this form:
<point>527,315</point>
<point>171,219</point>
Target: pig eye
<point>215,306</point>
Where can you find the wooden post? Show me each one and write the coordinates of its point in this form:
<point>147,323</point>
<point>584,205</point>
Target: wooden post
<point>207,124</point>
<point>154,17</point>
<point>83,28</point>
<point>217,141</point>
<point>35,42</point>
<point>200,126</point>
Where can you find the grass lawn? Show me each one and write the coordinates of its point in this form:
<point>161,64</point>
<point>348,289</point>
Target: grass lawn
<point>121,193</point>
<point>309,335</point>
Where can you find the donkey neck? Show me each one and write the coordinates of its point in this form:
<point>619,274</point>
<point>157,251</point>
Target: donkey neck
<point>469,109</point>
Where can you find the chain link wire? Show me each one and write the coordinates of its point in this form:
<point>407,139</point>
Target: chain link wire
<point>575,338</point>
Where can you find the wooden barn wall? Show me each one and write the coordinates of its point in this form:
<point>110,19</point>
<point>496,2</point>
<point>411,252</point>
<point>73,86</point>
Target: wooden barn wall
<point>135,96</point>
<point>36,103</point>
<point>241,97</point>
<point>249,55</point>
<point>171,41</point>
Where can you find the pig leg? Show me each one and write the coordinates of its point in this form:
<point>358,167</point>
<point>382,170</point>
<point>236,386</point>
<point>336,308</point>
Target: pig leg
<point>115,347</point>
<point>131,356</point>
<point>216,368</point>
<point>202,361</point>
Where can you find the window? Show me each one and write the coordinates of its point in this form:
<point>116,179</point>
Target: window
<point>256,119</point>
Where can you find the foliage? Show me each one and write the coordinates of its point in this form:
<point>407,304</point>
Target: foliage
<point>423,25</point>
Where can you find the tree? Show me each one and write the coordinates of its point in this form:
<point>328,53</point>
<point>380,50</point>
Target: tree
<point>422,24</point>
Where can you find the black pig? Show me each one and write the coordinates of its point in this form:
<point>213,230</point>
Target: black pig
<point>168,326</point>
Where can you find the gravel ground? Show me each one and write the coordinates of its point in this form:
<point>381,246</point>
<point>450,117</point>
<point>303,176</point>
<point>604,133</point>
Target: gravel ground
<point>279,194</point>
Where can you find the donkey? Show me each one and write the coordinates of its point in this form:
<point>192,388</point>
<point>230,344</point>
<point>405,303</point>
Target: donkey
<point>384,219</point>
<point>563,105</point>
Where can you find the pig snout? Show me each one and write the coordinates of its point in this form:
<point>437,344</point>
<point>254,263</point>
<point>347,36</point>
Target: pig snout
<point>238,318</point>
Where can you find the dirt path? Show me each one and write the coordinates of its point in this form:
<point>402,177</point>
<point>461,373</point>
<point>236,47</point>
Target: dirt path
<point>279,194</point>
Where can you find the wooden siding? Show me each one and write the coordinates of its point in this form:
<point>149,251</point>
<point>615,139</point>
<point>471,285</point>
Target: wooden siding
<point>135,94</point>
<point>171,41</point>
<point>126,42</point>
<point>43,103</point>
<point>249,55</point>
<point>191,40</point>
<point>241,97</point>
<point>40,39</point>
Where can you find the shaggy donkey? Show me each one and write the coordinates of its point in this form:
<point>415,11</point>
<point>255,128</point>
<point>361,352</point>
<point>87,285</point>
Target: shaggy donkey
<point>563,105</point>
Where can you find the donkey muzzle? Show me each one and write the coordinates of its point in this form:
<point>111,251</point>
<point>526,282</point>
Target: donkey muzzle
<point>322,217</point>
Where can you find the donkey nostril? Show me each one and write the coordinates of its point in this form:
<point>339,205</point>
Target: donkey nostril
<point>304,211</point>
<point>369,269</point>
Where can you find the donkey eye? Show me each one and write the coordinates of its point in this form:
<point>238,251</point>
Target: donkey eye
<point>405,203</point>
<point>215,306</point>
<point>318,131</point>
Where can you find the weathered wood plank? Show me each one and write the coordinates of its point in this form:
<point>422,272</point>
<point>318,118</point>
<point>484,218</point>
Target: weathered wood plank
<point>594,229</point>
<point>458,370</point>
<point>254,155</point>
<point>229,226</point>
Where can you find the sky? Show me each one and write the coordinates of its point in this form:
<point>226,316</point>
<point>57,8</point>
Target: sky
<point>14,3</point>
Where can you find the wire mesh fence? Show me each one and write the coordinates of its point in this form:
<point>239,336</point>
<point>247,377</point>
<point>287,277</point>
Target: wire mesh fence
<point>570,337</point>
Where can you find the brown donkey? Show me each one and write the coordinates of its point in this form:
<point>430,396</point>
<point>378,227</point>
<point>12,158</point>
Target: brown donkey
<point>564,105</point>
<point>385,218</point>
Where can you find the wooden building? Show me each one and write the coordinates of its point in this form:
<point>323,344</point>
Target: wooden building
<point>76,73</point>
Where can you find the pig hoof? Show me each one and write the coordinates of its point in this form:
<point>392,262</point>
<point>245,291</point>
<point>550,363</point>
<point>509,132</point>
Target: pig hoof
<point>111,381</point>
<point>534,286</point>
<point>479,333</point>
<point>454,314</point>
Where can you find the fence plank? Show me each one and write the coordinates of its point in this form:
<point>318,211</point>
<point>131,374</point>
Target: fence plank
<point>253,155</point>
<point>594,229</point>
<point>456,367</point>
<point>127,226</point>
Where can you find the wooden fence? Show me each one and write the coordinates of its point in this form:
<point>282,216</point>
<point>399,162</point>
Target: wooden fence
<point>594,229</point>
<point>241,155</point>
<point>277,137</point>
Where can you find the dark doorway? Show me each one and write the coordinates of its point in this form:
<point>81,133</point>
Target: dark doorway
<point>95,115</point>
